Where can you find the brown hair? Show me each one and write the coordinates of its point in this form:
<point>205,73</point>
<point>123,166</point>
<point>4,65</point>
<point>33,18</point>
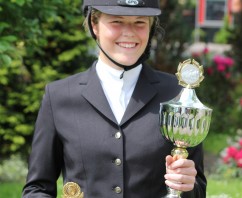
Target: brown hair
<point>95,15</point>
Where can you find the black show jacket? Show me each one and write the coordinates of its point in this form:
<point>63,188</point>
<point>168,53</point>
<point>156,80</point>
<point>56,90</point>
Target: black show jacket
<point>77,134</point>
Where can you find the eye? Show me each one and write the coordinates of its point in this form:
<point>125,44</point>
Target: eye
<point>141,23</point>
<point>116,21</point>
<point>142,20</point>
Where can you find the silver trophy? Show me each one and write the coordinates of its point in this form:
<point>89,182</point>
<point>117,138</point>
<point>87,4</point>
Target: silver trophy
<point>184,120</point>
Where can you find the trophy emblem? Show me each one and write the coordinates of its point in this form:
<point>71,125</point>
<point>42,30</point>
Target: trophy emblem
<point>72,190</point>
<point>184,120</point>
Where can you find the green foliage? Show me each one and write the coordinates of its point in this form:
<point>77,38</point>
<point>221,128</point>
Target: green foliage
<point>230,161</point>
<point>13,169</point>
<point>221,90</point>
<point>215,142</point>
<point>222,36</point>
<point>222,87</point>
<point>40,41</point>
<point>236,41</point>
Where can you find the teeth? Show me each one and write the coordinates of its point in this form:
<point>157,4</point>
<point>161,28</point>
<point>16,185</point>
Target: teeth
<point>127,45</point>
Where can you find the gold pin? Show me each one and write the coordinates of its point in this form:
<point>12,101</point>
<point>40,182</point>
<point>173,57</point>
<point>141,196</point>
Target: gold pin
<point>72,190</point>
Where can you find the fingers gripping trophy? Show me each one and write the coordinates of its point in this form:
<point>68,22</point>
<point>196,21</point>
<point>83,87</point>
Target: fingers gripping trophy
<point>184,120</point>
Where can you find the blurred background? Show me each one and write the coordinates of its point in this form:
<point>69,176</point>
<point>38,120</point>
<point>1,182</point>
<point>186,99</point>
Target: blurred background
<point>42,41</point>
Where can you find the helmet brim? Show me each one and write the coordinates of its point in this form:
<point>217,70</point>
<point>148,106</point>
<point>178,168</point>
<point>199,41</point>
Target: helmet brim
<point>128,11</point>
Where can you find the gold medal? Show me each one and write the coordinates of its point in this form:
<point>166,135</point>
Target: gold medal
<point>72,190</point>
<point>190,73</point>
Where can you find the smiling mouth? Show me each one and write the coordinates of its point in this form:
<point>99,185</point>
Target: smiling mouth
<point>127,45</point>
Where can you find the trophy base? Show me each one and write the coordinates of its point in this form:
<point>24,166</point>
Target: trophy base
<point>173,193</point>
<point>172,196</point>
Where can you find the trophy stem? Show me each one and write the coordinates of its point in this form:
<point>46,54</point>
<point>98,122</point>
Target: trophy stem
<point>177,153</point>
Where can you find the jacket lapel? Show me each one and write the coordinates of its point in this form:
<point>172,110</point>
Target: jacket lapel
<point>94,94</point>
<point>143,93</point>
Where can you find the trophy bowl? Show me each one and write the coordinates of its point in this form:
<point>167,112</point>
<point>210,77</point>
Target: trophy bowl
<point>184,120</point>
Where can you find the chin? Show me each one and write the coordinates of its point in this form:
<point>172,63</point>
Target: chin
<point>127,62</point>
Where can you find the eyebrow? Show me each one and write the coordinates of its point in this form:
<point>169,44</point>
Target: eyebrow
<point>138,17</point>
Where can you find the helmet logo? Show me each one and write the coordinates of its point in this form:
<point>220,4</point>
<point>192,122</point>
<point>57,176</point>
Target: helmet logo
<point>135,3</point>
<point>132,2</point>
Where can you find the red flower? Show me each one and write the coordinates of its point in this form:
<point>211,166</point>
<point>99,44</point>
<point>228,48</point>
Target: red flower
<point>221,67</point>
<point>240,103</point>
<point>240,141</point>
<point>228,75</point>
<point>232,151</point>
<point>196,54</point>
<point>209,71</point>
<point>205,51</point>
<point>226,159</point>
<point>218,59</point>
<point>238,158</point>
<point>223,60</point>
<point>228,61</point>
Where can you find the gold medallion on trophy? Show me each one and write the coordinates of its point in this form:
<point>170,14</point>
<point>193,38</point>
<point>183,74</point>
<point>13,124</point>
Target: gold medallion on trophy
<point>72,190</point>
<point>190,73</point>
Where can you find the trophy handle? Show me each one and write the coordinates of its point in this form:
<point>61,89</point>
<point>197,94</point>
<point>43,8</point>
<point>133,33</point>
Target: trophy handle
<point>177,153</point>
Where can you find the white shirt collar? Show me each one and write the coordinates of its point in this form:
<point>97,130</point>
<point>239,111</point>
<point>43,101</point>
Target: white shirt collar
<point>117,91</point>
<point>108,74</point>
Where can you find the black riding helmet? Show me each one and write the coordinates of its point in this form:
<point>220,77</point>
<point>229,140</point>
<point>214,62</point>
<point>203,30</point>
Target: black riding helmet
<point>124,8</point>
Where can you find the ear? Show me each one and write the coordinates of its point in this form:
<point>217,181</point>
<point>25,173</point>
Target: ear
<point>95,29</point>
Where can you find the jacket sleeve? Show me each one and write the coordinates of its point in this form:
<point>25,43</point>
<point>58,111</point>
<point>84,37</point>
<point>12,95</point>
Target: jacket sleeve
<point>45,160</point>
<point>199,191</point>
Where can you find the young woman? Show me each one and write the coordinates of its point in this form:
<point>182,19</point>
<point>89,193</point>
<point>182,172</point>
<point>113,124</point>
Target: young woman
<point>100,128</point>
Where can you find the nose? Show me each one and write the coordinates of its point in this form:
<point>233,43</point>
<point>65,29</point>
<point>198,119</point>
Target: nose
<point>128,30</point>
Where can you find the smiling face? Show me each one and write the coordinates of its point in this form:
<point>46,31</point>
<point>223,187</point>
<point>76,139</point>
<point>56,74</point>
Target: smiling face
<point>123,38</point>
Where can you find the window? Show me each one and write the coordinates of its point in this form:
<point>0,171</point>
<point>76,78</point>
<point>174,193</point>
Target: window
<point>215,10</point>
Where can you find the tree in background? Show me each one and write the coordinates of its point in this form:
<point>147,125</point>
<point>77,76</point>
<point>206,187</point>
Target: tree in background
<point>236,36</point>
<point>178,22</point>
<point>222,88</point>
<point>236,52</point>
<point>40,41</point>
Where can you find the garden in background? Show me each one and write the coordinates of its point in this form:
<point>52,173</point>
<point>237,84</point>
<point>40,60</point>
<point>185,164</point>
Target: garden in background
<point>42,41</point>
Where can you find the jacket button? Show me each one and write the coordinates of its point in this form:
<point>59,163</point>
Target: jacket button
<point>117,189</point>
<point>118,135</point>
<point>118,162</point>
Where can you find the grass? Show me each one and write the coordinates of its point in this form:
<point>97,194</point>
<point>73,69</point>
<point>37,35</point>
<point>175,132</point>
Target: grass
<point>11,190</point>
<point>14,190</point>
<point>231,188</point>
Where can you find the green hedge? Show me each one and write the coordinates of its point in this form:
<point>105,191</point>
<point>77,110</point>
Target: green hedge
<point>40,41</point>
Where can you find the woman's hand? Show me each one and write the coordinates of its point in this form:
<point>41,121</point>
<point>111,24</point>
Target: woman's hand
<point>180,174</point>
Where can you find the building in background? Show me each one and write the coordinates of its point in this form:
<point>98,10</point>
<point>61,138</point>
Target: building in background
<point>210,16</point>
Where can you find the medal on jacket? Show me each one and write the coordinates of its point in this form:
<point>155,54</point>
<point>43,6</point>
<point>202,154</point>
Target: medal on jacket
<point>72,190</point>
